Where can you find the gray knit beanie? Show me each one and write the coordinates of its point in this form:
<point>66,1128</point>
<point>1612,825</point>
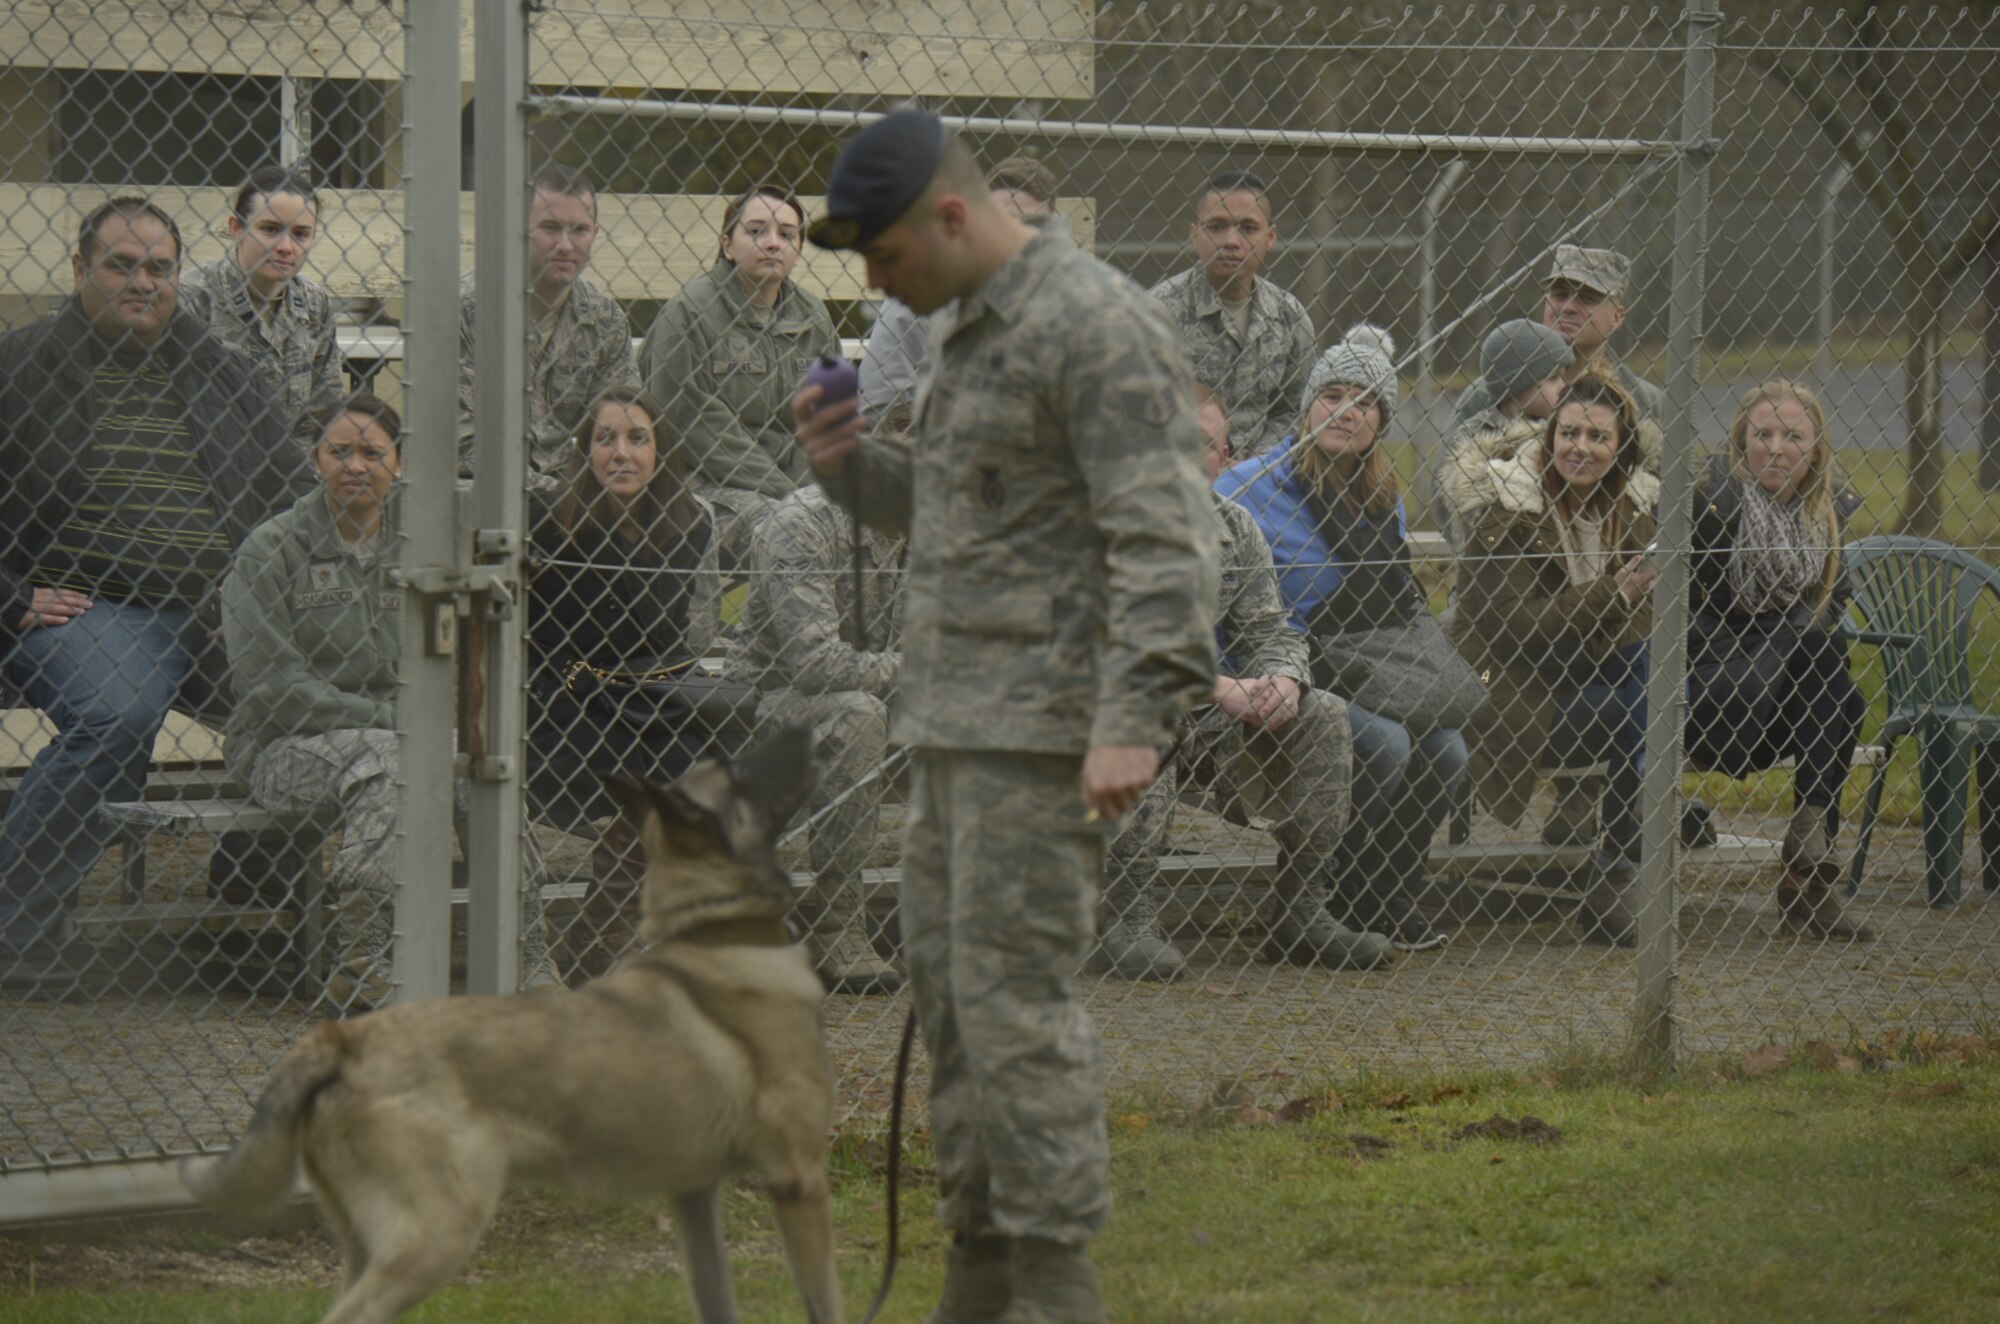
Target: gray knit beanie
<point>1364,358</point>
<point>1518,355</point>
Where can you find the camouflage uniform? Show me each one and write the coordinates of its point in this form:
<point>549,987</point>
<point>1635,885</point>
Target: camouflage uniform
<point>726,373</point>
<point>794,648</point>
<point>1259,381</point>
<point>583,351</point>
<point>1061,570</point>
<point>295,348</point>
<point>1297,776</point>
<point>314,637</point>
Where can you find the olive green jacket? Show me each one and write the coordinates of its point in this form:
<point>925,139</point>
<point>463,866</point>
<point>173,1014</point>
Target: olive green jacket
<point>313,634</point>
<point>727,382</point>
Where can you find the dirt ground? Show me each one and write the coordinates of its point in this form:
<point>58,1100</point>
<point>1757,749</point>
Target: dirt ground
<point>170,1054</point>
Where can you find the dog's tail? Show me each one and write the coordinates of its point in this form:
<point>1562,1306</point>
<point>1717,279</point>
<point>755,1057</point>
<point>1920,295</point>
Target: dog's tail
<point>257,1170</point>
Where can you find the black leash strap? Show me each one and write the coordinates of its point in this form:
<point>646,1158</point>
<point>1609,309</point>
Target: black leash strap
<point>857,626</point>
<point>895,1160</point>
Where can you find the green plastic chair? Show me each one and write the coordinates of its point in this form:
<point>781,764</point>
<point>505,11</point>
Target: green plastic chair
<point>1924,592</point>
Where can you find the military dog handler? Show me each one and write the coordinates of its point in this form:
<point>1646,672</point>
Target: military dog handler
<point>1062,571</point>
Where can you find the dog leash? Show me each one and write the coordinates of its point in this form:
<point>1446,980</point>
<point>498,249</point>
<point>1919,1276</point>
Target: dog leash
<point>895,1158</point>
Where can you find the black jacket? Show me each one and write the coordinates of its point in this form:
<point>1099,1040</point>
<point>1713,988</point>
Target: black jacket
<point>1718,513</point>
<point>596,600</point>
<point>47,415</point>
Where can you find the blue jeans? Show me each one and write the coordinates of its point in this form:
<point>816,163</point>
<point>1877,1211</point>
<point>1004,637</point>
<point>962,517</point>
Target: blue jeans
<point>1606,719</point>
<point>1404,787</point>
<point>106,680</point>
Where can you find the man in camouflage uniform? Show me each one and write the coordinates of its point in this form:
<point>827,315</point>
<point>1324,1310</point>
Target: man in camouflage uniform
<point>1271,744</point>
<point>1251,341</point>
<point>1584,303</point>
<point>1056,625</point>
<point>795,647</point>
<point>583,342</point>
<point>898,354</point>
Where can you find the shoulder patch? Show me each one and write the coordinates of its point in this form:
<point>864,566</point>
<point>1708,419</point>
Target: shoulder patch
<point>1144,404</point>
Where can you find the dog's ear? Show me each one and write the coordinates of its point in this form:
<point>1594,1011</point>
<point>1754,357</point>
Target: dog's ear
<point>778,775</point>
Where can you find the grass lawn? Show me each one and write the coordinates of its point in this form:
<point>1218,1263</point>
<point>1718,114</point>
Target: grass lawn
<point>1747,1190</point>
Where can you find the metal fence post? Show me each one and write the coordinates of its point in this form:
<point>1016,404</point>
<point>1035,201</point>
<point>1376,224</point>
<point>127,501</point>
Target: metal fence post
<point>500,184</point>
<point>1829,267</point>
<point>1658,911</point>
<point>431,552</point>
<point>1435,198</point>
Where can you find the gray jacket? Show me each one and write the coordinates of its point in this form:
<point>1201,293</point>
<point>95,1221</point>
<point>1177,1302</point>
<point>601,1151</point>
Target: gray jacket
<point>727,382</point>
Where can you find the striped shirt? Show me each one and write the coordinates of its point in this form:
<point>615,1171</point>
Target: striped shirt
<point>146,527</point>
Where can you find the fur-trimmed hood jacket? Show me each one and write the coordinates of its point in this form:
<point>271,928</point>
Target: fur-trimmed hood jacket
<point>1521,621</point>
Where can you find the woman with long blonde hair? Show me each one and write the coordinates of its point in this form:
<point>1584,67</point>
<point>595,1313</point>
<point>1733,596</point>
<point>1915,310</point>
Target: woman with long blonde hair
<point>1767,665</point>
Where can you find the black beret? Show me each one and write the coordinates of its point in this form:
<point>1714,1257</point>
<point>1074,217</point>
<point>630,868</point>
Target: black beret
<point>878,176</point>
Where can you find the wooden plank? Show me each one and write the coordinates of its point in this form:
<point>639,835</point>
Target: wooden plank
<point>651,246</point>
<point>990,48</point>
<point>23,732</point>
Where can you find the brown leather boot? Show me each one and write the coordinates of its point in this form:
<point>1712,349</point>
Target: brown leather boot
<point>1809,902</point>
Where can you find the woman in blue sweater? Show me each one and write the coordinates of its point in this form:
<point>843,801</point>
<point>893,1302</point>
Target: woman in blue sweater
<point>1329,504</point>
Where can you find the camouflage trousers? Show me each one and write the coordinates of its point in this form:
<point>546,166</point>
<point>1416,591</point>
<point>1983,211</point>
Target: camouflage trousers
<point>999,881</point>
<point>850,734</point>
<point>354,772</point>
<point>738,512</point>
<point>1298,778</point>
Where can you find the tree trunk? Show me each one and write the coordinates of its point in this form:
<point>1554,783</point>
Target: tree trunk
<point>1923,395</point>
<point>1989,419</point>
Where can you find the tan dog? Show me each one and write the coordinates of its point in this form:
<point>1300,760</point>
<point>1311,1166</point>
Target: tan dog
<point>693,1060</point>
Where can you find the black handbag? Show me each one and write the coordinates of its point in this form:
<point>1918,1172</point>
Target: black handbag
<point>1407,671</point>
<point>705,714</point>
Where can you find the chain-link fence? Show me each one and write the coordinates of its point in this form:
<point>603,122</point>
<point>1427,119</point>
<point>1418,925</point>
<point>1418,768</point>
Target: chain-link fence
<point>1545,357</point>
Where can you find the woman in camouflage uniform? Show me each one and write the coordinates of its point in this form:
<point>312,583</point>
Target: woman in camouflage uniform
<point>258,301</point>
<point>727,354</point>
<point>313,625</point>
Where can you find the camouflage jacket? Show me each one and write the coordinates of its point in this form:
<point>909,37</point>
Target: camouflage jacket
<point>1252,631</point>
<point>584,351</point>
<point>296,350</point>
<point>1062,566</point>
<point>1259,381</point>
<point>727,383</point>
<point>313,633</point>
<point>795,617</point>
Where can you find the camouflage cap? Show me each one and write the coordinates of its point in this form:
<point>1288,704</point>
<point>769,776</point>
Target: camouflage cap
<point>879,175</point>
<point>1599,269</point>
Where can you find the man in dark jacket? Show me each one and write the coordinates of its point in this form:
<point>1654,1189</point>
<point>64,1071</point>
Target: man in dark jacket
<point>137,451</point>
